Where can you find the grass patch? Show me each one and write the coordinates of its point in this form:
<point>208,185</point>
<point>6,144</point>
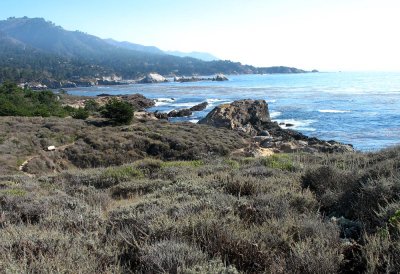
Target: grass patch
<point>122,173</point>
<point>279,161</point>
<point>195,163</point>
<point>232,163</point>
<point>19,192</point>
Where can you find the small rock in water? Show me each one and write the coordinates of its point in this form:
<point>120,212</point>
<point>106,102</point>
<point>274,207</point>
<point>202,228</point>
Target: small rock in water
<point>199,107</point>
<point>180,113</point>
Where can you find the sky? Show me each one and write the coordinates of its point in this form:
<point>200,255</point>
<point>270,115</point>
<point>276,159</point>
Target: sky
<point>329,35</point>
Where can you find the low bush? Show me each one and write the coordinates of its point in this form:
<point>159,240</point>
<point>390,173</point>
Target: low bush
<point>91,105</point>
<point>120,112</point>
<point>170,256</point>
<point>80,113</point>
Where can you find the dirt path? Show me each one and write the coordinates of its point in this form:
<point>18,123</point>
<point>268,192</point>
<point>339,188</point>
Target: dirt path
<point>30,158</point>
<point>22,166</point>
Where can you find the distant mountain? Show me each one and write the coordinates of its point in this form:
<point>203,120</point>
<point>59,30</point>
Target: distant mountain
<point>33,49</point>
<point>205,56</point>
<point>46,36</point>
<point>132,46</point>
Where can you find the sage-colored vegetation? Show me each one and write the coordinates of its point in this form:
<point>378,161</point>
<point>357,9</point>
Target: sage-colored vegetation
<point>158,209</point>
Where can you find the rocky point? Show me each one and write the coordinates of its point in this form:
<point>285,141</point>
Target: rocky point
<point>252,117</point>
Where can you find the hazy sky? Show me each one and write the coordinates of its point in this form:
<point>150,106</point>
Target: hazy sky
<point>322,34</point>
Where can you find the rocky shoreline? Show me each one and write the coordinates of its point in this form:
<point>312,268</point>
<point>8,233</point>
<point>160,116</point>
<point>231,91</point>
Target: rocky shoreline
<point>112,80</point>
<point>252,117</point>
<point>248,117</point>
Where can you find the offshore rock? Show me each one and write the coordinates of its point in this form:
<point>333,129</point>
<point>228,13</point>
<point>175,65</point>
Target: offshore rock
<point>180,113</point>
<point>199,107</point>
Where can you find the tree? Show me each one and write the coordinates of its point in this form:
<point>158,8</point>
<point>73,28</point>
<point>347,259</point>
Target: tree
<point>118,111</point>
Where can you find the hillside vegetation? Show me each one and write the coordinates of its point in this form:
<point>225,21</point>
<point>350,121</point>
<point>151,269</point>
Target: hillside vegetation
<point>155,197</point>
<point>15,101</point>
<point>32,49</point>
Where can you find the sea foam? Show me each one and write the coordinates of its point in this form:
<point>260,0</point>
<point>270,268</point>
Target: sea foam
<point>333,111</point>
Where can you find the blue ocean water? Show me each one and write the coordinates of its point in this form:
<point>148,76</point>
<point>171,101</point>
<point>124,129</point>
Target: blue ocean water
<point>359,108</point>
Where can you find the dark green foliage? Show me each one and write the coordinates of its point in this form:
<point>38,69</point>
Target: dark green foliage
<point>120,112</point>
<point>15,101</point>
<point>91,105</point>
<point>80,113</point>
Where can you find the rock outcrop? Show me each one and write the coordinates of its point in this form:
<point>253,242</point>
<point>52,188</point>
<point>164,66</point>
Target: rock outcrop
<point>243,115</point>
<point>252,117</point>
<point>68,84</point>
<point>220,77</point>
<point>199,107</point>
<point>180,113</point>
<point>161,115</point>
<point>185,111</point>
<point>138,101</point>
<point>188,79</point>
<point>153,78</point>
<point>183,79</point>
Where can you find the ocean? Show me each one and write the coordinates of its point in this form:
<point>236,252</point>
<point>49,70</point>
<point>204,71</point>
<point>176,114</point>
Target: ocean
<point>358,108</point>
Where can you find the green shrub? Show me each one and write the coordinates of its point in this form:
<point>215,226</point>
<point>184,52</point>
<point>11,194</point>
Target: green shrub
<point>395,219</point>
<point>279,161</point>
<point>14,192</point>
<point>195,163</point>
<point>80,113</point>
<point>120,112</point>
<point>137,187</point>
<point>232,163</point>
<point>91,105</point>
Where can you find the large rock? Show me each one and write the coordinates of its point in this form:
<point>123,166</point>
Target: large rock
<point>244,115</point>
<point>138,101</point>
<point>153,78</point>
